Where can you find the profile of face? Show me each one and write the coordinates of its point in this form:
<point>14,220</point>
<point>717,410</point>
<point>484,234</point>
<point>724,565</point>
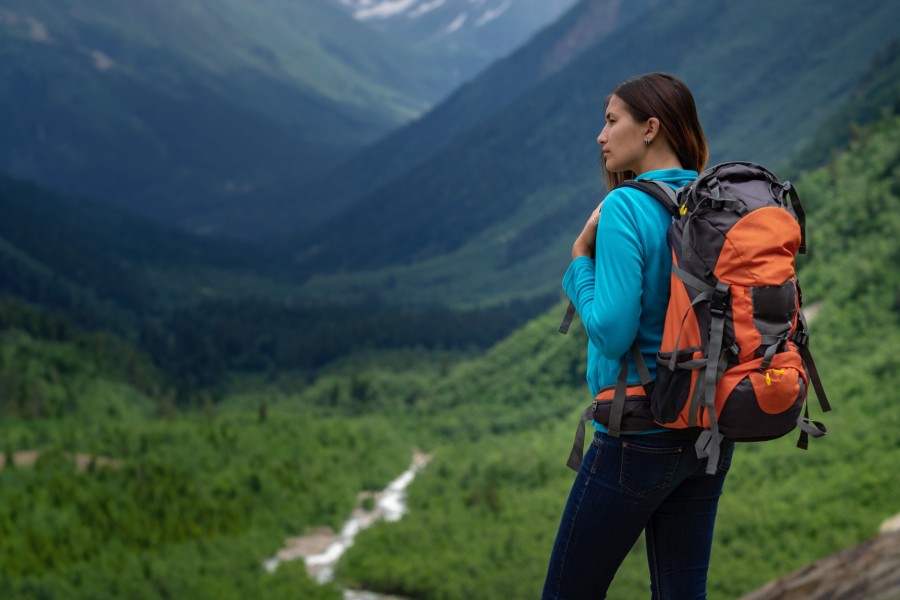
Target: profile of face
<point>622,138</point>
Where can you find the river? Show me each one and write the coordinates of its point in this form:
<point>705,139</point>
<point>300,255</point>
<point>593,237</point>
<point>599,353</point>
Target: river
<point>323,548</point>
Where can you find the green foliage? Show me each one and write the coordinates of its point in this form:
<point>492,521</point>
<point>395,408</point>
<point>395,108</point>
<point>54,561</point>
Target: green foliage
<point>51,369</point>
<point>195,502</point>
<point>186,500</point>
<point>222,567</point>
<point>206,341</point>
<point>181,506</point>
<point>484,512</point>
<point>228,488</point>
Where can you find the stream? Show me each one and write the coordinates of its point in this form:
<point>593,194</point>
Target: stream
<point>321,549</point>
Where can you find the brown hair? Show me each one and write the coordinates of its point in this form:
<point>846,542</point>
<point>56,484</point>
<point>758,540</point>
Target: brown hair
<point>668,99</point>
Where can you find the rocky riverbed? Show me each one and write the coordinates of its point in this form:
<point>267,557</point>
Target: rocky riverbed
<point>322,548</point>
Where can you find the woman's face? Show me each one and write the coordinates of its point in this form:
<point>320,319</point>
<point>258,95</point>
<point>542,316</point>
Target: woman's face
<point>622,138</point>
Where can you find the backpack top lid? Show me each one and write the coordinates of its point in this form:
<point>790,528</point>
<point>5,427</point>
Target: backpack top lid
<point>733,222</point>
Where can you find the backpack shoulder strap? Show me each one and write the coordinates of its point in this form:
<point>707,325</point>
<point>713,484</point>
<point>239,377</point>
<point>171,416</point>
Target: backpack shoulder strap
<point>658,190</point>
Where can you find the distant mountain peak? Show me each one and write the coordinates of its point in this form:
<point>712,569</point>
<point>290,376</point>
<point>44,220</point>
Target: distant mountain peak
<point>479,12</point>
<point>488,27</point>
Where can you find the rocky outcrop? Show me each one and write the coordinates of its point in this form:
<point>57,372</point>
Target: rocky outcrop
<point>869,571</point>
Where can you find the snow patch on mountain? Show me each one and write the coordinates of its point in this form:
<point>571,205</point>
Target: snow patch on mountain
<point>381,10</point>
<point>486,10</point>
<point>425,8</point>
<point>457,24</point>
<point>491,14</point>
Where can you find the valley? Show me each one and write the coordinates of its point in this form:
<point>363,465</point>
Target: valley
<point>255,258</point>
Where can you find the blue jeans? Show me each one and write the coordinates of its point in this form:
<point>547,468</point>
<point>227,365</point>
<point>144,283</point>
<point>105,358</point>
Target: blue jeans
<point>653,483</point>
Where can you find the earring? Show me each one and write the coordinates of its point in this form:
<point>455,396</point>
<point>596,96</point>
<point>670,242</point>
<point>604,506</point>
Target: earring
<point>647,141</point>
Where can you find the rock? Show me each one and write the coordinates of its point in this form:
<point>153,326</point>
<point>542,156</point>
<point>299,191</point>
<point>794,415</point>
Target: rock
<point>869,571</point>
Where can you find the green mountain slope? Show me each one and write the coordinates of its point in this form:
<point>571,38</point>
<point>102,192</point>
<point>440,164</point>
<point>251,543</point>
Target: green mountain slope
<point>189,505</point>
<point>203,308</point>
<point>103,266</point>
<point>190,112</point>
<point>503,424</point>
<point>493,213</point>
<point>474,103</point>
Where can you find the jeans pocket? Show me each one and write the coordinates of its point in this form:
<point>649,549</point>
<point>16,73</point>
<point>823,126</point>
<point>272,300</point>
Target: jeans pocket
<point>646,470</point>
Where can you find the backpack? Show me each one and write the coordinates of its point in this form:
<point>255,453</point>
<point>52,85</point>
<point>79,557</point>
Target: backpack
<point>734,362</point>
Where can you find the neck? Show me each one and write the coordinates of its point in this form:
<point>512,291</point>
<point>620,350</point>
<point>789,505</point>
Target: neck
<point>659,158</point>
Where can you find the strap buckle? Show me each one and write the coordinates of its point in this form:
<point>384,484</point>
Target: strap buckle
<point>719,302</point>
<point>801,338</point>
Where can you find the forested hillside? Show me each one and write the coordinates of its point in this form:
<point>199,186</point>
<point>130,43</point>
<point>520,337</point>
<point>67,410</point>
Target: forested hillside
<point>487,216</point>
<point>162,503</point>
<point>187,502</point>
<point>173,408</point>
<point>485,512</point>
<point>190,112</point>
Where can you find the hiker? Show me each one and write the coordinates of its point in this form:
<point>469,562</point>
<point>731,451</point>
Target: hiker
<point>651,480</point>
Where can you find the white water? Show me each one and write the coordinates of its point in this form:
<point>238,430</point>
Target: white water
<point>390,505</point>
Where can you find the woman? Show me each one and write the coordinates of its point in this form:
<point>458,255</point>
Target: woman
<point>650,481</point>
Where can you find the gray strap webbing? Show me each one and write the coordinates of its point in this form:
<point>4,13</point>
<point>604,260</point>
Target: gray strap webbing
<point>690,365</point>
<point>768,340</point>
<point>578,445</point>
<point>567,318</point>
<point>708,445</point>
<point>808,428</point>
<point>617,408</point>
<point>640,364</point>
<point>814,377</point>
<point>671,194</point>
<point>700,298</point>
<point>771,351</point>
<point>689,279</point>
<point>801,214</point>
<point>714,355</point>
<point>686,240</point>
<point>706,293</point>
<point>813,428</point>
<point>695,400</point>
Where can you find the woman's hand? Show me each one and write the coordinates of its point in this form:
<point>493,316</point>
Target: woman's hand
<point>587,239</point>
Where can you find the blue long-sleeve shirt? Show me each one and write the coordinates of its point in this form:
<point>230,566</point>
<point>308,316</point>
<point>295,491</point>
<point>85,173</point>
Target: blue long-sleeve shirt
<point>622,294</point>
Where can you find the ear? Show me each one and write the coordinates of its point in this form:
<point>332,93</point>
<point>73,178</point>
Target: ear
<point>652,128</point>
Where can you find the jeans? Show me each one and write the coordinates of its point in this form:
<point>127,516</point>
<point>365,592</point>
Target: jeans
<point>653,483</point>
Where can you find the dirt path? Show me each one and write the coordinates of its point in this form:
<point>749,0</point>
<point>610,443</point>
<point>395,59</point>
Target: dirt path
<point>27,458</point>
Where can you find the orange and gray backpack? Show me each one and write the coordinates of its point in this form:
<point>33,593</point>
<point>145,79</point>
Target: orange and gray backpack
<point>734,362</point>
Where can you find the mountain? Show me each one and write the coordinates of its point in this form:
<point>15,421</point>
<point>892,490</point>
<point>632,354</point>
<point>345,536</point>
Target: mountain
<point>106,268</point>
<point>491,215</point>
<point>462,36</point>
<point>476,102</point>
<point>195,113</point>
<point>501,425</point>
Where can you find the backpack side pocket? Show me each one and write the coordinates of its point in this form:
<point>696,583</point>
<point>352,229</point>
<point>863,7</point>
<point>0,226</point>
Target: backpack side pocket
<point>675,382</point>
